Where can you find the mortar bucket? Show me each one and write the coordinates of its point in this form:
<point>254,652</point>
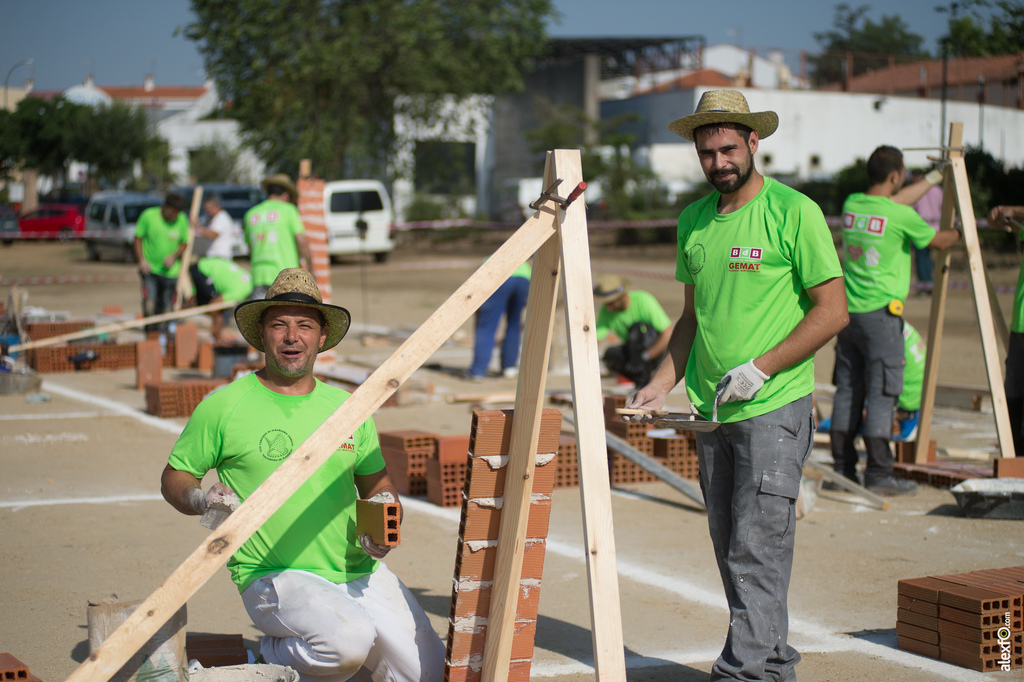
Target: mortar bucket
<point>253,672</point>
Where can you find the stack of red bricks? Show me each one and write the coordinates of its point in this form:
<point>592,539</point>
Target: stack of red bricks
<point>37,331</point>
<point>14,670</point>
<point>53,359</point>
<point>446,470</point>
<point>972,619</point>
<point>178,398</point>
<point>406,453</point>
<point>478,540</point>
<point>677,452</point>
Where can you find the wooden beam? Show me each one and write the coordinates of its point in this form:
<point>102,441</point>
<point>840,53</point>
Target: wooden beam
<point>515,509</point>
<point>983,306</point>
<point>121,326</point>
<point>940,292</point>
<point>591,446</point>
<point>215,551</point>
<point>184,286</point>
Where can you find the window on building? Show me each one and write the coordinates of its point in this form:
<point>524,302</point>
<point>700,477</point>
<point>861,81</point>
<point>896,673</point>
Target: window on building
<point>445,167</point>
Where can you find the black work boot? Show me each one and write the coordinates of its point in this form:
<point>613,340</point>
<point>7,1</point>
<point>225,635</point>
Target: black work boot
<point>844,455</point>
<point>878,476</point>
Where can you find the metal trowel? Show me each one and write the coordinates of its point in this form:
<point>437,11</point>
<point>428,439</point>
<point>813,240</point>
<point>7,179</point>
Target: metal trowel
<point>684,421</point>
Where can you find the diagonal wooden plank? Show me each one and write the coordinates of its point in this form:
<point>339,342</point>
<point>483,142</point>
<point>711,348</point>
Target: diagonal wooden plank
<point>265,500</point>
<point>592,449</point>
<point>515,510</point>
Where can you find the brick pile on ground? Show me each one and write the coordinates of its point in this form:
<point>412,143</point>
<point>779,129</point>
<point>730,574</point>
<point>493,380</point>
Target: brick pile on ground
<point>973,620</point>
<point>406,453</point>
<point>478,545</point>
<point>446,471</point>
<point>677,452</point>
<point>178,398</point>
<point>14,670</point>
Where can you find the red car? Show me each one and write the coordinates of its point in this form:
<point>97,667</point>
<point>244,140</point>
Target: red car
<point>52,221</point>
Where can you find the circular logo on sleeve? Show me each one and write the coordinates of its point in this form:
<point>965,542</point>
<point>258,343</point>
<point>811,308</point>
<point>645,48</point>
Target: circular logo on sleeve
<point>275,445</point>
<point>695,257</point>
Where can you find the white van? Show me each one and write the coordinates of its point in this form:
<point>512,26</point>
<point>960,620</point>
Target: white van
<point>110,222</point>
<point>348,201</point>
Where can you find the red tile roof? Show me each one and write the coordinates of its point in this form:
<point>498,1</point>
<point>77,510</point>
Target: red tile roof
<point>908,77</point>
<point>692,80</point>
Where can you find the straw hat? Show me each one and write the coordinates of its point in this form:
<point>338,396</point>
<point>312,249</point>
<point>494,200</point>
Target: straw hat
<point>609,286</point>
<point>725,106</point>
<point>282,180</point>
<point>293,286</point>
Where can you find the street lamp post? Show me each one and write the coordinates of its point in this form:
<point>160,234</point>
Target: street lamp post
<point>23,62</point>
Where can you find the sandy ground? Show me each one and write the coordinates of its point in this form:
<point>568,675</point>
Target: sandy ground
<point>81,516</point>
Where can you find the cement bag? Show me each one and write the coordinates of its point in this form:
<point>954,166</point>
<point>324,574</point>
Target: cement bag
<point>161,659</point>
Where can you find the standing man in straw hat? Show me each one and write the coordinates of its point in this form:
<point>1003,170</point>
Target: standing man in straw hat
<point>637,320</point>
<point>763,291</point>
<point>276,236</point>
<point>329,609</point>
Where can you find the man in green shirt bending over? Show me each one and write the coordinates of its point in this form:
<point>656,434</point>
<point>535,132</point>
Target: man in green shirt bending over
<point>328,608</point>
<point>276,236</point>
<point>877,235</point>
<point>763,291</point>
<point>638,322</point>
<point>161,234</point>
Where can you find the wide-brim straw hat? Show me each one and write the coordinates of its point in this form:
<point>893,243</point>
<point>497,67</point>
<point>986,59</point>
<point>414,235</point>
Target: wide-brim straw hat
<point>725,106</point>
<point>293,286</point>
<point>609,286</point>
<point>282,180</point>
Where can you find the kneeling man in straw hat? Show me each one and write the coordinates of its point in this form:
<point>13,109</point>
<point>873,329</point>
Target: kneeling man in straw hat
<point>763,291</point>
<point>327,605</point>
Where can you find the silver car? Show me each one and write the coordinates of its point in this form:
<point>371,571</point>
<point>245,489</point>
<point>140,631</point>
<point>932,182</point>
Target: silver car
<point>110,219</point>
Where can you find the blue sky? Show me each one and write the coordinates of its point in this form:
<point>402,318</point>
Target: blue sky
<point>120,41</point>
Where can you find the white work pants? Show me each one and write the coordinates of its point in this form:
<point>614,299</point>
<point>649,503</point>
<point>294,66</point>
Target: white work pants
<point>371,628</point>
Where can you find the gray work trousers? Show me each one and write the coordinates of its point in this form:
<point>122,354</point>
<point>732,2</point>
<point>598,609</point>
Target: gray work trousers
<point>870,356</point>
<point>750,475</point>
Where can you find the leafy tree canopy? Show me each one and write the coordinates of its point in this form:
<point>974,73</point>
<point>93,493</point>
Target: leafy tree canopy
<point>853,31</point>
<point>972,35</point>
<point>320,79</point>
<point>110,139</point>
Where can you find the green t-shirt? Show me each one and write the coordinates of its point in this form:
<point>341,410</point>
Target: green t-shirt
<point>270,229</point>
<point>1017,319</point>
<point>230,280</point>
<point>750,270</point>
<point>643,307</point>
<point>913,370</point>
<point>523,270</point>
<point>244,431</point>
<point>877,234</point>
<point>160,239</point>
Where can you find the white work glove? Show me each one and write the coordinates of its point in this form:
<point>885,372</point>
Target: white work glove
<point>219,493</point>
<point>935,176</point>
<point>378,552</point>
<point>740,383</point>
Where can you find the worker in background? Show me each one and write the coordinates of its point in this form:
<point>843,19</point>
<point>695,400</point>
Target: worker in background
<point>218,230</point>
<point>909,403</point>
<point>877,233</point>
<point>636,322</point>
<point>276,236</point>
<point>507,301</point>
<point>929,207</point>
<point>763,290</point>
<point>328,608</point>
<point>999,218</point>
<point>216,280</point>
<point>161,234</point>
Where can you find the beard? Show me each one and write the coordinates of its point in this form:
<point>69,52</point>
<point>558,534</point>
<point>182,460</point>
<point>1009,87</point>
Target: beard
<point>734,176</point>
<point>292,368</point>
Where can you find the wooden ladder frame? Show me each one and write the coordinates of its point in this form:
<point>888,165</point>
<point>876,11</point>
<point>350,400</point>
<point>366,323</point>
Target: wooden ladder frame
<point>957,200</point>
<point>559,238</point>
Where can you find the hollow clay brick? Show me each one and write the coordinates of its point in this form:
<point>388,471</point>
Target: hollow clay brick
<point>917,619</point>
<point>963,660</point>
<point>148,363</point>
<point>485,481</point>
<point>479,564</point>
<point>379,520</point>
<point>445,482</point>
<point>973,599</point>
<point>473,598</point>
<point>983,649</point>
<point>917,606</point>
<point>916,647</point>
<point>922,589</point>
<point>491,432</point>
<point>186,345</point>
<point>974,634</point>
<point>408,439</point>
<point>483,523</point>
<point>468,638</point>
<point>452,448</point>
<point>12,669</point>
<point>204,361</point>
<point>1008,467</point>
<point>974,620</point>
<point>920,634</point>
<point>518,671</point>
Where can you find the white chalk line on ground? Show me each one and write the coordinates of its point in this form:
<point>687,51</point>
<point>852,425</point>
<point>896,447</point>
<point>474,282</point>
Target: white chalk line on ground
<point>824,640</point>
<point>815,637</point>
<point>110,499</point>
<point>55,415</point>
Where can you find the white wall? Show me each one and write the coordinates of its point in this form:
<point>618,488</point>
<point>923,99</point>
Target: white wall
<point>838,128</point>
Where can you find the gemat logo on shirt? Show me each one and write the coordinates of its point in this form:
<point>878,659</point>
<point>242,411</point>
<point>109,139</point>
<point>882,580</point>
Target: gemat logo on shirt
<point>745,259</point>
<point>860,222</point>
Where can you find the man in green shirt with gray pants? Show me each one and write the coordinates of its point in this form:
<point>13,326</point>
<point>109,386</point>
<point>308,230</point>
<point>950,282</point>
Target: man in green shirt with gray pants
<point>877,235</point>
<point>276,236</point>
<point>161,234</point>
<point>763,291</point>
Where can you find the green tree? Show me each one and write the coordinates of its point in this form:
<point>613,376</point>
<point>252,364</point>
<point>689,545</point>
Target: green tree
<point>110,139</point>
<point>37,135</point>
<point>324,79</point>
<point>972,35</point>
<point>852,31</point>
<point>215,162</point>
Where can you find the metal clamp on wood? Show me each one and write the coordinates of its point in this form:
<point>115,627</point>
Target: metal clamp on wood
<point>549,194</point>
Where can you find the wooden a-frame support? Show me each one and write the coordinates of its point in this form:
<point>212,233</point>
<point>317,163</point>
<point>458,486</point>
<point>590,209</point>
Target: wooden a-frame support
<point>957,199</point>
<point>559,237</point>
